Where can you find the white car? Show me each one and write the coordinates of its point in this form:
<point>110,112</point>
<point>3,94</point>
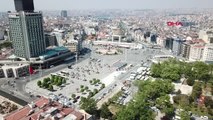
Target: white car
<point>132,77</point>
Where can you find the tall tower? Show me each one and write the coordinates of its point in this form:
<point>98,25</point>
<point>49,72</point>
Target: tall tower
<point>64,13</point>
<point>26,28</point>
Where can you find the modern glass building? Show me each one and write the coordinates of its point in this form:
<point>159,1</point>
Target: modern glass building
<point>63,13</point>
<point>27,34</point>
<point>26,30</point>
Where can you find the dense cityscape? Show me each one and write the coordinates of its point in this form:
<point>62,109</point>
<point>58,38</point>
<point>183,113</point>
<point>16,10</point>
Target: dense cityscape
<point>113,64</point>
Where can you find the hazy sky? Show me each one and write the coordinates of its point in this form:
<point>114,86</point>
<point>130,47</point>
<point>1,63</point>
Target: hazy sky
<point>6,5</point>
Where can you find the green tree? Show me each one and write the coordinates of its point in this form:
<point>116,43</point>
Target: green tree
<point>138,110</point>
<point>159,87</point>
<point>190,81</point>
<point>89,105</point>
<point>45,80</point>
<point>171,72</point>
<point>162,101</point>
<point>90,94</point>
<point>105,112</point>
<point>208,101</point>
<point>169,110</point>
<point>156,70</point>
<point>178,92</point>
<point>55,81</point>
<point>184,115</point>
<point>197,90</point>
<point>48,79</point>
<point>102,86</point>
<point>45,85</point>
<point>73,96</point>
<point>82,86</point>
<point>50,87</point>
<point>82,90</point>
<point>86,88</point>
<point>59,83</point>
<point>95,91</point>
<point>140,107</point>
<point>6,44</point>
<point>39,83</point>
<point>201,71</point>
<point>98,81</point>
<point>52,81</point>
<point>53,77</point>
<point>63,81</point>
<point>90,81</point>
<point>182,100</point>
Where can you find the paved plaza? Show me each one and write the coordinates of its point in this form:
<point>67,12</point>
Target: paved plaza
<point>100,67</point>
<point>97,66</point>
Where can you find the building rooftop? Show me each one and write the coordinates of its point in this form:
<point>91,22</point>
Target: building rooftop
<point>54,51</point>
<point>44,109</point>
<point>14,65</point>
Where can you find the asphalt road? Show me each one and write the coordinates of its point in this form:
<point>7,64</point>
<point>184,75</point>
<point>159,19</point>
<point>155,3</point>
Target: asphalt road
<point>19,86</point>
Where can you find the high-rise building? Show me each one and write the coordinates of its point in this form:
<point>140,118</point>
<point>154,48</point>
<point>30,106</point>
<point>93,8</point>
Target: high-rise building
<point>1,34</point>
<point>153,38</point>
<point>177,46</point>
<point>169,43</point>
<point>26,30</point>
<point>24,5</point>
<point>206,35</point>
<point>50,40</point>
<point>208,53</point>
<point>63,13</point>
<point>196,52</point>
<point>185,49</point>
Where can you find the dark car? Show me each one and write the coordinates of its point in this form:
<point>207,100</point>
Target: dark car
<point>75,101</point>
<point>38,96</point>
<point>77,97</point>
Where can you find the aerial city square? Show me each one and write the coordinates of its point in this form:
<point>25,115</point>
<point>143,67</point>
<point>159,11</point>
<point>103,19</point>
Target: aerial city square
<point>106,60</point>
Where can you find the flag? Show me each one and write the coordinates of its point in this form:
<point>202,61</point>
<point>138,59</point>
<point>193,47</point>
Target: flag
<point>31,70</point>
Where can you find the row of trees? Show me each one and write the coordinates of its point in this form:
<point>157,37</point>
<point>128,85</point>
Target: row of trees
<point>174,70</point>
<point>90,106</point>
<point>150,94</point>
<point>95,81</point>
<point>48,82</point>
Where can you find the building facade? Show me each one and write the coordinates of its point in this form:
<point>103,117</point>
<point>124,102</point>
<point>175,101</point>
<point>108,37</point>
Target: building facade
<point>27,34</point>
<point>64,13</point>
<point>196,52</point>
<point>177,46</point>
<point>208,53</point>
<point>169,43</point>
<point>206,35</point>
<point>26,30</point>
<point>14,70</point>
<point>50,40</point>
<point>185,50</point>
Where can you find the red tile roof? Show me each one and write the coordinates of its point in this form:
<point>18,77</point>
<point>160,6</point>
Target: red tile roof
<point>22,114</point>
<point>19,114</point>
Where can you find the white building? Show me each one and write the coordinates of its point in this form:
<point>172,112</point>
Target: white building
<point>60,35</point>
<point>196,52</point>
<point>161,42</point>
<point>208,53</point>
<point>90,30</point>
<point>14,70</point>
<point>206,35</point>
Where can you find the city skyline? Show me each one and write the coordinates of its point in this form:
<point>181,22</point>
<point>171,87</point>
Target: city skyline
<point>110,4</point>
